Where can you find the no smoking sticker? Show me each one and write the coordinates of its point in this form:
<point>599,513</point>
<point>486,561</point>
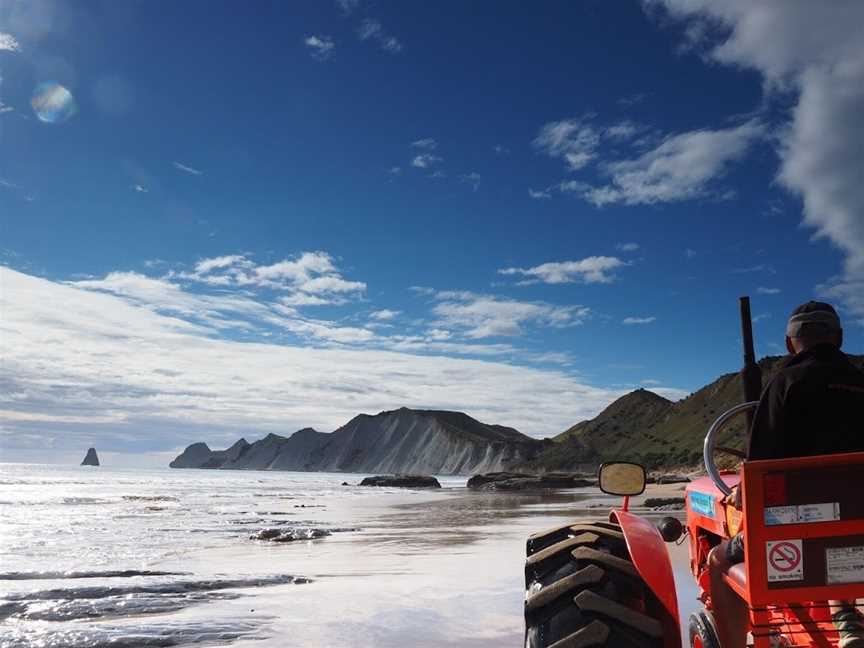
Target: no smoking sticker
<point>785,560</point>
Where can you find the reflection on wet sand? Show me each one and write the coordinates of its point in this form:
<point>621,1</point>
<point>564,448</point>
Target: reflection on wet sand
<point>422,568</point>
<point>465,518</point>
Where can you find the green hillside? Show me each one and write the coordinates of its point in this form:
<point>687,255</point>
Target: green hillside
<point>643,426</point>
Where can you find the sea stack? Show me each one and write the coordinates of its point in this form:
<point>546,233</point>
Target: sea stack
<point>92,459</point>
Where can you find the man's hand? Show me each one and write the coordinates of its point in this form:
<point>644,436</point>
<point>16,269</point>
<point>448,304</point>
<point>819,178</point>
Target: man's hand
<point>734,498</point>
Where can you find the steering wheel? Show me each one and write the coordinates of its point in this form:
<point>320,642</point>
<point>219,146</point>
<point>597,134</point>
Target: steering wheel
<point>710,446</point>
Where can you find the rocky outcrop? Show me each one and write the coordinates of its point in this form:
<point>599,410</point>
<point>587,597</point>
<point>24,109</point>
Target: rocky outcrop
<point>199,455</point>
<point>401,441</point>
<point>289,535</point>
<point>478,481</point>
<point>402,481</point>
<point>91,458</point>
<point>664,503</point>
<point>506,481</point>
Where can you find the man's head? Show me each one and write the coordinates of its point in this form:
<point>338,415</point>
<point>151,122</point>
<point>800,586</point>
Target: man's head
<point>811,324</point>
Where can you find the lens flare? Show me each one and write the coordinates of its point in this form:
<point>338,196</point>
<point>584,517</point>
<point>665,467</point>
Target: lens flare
<point>52,103</point>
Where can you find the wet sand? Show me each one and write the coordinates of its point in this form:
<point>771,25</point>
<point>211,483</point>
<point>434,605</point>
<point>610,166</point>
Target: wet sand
<point>164,558</point>
<point>436,569</point>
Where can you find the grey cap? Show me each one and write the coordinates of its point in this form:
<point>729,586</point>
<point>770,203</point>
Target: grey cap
<point>813,319</point>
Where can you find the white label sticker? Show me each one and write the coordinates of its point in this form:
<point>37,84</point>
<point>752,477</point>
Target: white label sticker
<point>805,513</point>
<point>785,560</point>
<point>844,565</point>
<point>775,515</point>
<point>819,512</point>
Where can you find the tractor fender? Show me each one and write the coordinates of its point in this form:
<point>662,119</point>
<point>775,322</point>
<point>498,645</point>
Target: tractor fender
<point>651,559</point>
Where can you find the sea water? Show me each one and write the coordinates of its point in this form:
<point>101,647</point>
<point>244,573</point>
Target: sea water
<point>99,557</point>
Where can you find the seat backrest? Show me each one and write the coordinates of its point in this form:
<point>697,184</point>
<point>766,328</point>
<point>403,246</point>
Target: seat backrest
<point>804,528</point>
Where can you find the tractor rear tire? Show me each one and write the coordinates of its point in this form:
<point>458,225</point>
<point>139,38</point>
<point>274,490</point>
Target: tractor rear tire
<point>582,591</point>
<point>702,632</point>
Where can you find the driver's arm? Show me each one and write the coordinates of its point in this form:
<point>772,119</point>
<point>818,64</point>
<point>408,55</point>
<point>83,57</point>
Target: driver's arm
<point>769,422</point>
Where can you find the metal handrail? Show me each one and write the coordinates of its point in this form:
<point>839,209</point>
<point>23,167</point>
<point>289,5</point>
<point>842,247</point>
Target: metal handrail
<point>711,441</point>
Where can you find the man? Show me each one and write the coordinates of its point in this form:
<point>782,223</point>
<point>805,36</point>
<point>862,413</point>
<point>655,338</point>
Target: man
<point>813,406</point>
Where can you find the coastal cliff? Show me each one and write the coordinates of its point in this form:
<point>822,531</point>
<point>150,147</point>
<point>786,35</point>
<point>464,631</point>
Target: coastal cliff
<point>403,441</point>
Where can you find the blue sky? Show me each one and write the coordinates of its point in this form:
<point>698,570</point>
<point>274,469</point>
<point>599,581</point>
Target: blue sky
<point>561,201</point>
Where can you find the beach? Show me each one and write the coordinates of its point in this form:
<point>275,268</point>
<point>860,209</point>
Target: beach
<point>164,557</point>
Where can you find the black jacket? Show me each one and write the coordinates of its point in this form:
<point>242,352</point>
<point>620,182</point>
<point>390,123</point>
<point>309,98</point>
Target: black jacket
<point>813,406</point>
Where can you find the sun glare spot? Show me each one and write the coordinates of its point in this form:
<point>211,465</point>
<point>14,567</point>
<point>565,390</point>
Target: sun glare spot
<point>53,103</point>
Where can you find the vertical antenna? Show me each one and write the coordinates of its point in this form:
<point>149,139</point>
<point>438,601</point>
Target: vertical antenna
<point>751,374</point>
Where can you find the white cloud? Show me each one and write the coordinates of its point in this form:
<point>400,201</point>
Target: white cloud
<point>633,99</point>
<point>216,263</point>
<point>690,253</point>
<point>501,150</point>
<point>96,367</point>
<point>396,170</point>
<point>572,140</point>
<point>139,188</point>
<point>428,143</point>
<point>622,131</point>
<point>762,290</point>
<point>8,43</point>
<point>481,316</point>
<point>425,160</point>
<point>850,291</point>
<point>682,167</point>
<point>627,247</point>
<point>761,267</point>
<point>594,269</point>
<point>542,194</point>
<point>816,50</point>
<point>472,179</point>
<point>385,314</point>
<point>638,320</point>
<point>313,273</point>
<point>320,47</point>
<point>187,169</point>
<point>347,6</point>
<point>5,108</point>
<point>371,29</point>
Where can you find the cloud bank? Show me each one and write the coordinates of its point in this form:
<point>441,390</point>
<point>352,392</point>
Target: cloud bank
<point>84,365</point>
<point>814,50</point>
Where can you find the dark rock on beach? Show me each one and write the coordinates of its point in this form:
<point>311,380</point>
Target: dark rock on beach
<point>507,481</point>
<point>477,481</point>
<point>667,479</point>
<point>289,535</point>
<point>665,503</point>
<point>402,481</point>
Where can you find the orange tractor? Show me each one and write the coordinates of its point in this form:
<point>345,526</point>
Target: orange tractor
<point>610,582</point>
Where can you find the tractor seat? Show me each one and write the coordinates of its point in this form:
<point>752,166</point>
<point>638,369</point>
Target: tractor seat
<point>738,575</point>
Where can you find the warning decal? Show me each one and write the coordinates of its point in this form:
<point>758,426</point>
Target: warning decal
<point>844,565</point>
<point>802,514</point>
<point>785,560</point>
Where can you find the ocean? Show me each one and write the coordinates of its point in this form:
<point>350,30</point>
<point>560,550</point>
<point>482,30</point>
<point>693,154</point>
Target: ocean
<point>93,557</point>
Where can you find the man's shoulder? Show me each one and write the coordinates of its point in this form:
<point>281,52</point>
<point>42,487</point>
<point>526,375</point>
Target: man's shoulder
<point>819,368</point>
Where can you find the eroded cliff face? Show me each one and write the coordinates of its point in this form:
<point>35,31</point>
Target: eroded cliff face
<point>399,441</point>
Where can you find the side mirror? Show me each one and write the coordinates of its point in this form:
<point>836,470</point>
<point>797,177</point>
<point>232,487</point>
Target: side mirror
<point>622,478</point>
